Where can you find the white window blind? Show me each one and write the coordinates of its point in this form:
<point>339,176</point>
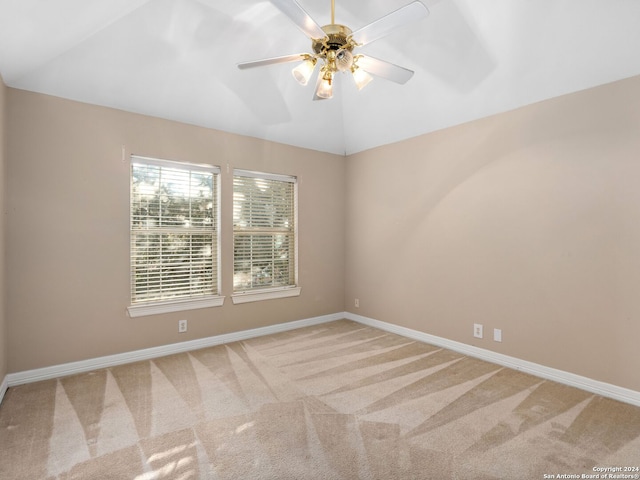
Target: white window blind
<point>174,231</point>
<point>264,231</point>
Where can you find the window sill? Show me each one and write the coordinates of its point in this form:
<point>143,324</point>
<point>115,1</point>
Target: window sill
<point>173,306</point>
<point>259,295</point>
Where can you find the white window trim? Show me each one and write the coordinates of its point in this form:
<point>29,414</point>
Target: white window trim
<point>142,310</point>
<point>182,304</point>
<point>270,294</point>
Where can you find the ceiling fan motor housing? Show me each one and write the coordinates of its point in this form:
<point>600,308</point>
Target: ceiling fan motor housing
<point>337,38</point>
<point>335,48</point>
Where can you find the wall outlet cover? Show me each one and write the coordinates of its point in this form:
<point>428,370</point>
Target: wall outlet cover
<point>477,330</point>
<point>497,335</point>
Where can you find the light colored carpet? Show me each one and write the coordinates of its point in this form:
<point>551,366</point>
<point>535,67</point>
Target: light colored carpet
<point>334,401</point>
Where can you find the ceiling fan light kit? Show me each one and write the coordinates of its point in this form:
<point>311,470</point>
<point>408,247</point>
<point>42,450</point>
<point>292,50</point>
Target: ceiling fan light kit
<point>333,47</point>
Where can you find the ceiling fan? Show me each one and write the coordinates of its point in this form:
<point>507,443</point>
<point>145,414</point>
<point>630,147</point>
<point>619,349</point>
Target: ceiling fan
<point>333,47</point>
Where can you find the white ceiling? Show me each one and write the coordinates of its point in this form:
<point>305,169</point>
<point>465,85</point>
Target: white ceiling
<point>177,59</point>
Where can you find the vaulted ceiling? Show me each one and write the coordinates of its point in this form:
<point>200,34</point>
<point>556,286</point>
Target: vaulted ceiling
<point>177,59</point>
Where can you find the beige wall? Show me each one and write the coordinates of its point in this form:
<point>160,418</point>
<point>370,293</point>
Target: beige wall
<point>3,326</point>
<point>68,231</point>
<point>528,221</point>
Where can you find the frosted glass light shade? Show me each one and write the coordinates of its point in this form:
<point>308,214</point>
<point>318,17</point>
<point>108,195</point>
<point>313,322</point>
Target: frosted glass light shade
<point>361,78</point>
<point>302,73</point>
<point>344,60</point>
<point>325,88</point>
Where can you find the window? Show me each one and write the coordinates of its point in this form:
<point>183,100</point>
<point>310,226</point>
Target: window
<point>174,236</point>
<point>264,236</point>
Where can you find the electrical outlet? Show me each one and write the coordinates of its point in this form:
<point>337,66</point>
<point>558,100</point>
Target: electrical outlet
<point>357,303</point>
<point>497,335</point>
<point>477,330</point>
<point>182,326</point>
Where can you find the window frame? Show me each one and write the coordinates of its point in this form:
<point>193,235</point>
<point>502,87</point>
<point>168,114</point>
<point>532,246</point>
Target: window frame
<point>269,293</point>
<point>159,306</point>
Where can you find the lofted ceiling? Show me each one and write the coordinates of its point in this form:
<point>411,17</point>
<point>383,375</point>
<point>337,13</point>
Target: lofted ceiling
<point>176,59</point>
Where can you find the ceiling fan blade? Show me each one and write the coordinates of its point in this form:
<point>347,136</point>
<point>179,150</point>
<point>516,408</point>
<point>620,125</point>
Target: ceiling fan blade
<point>300,17</point>
<point>273,61</point>
<point>384,69</point>
<point>385,25</point>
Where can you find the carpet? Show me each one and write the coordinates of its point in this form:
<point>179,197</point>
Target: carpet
<point>333,401</point>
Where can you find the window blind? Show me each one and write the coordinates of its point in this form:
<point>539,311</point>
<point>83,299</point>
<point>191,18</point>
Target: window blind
<point>264,231</point>
<point>174,230</point>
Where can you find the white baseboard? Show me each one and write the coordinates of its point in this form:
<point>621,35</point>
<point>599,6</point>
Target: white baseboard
<point>600,388</point>
<point>594,386</point>
<point>72,368</point>
<point>3,388</point>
